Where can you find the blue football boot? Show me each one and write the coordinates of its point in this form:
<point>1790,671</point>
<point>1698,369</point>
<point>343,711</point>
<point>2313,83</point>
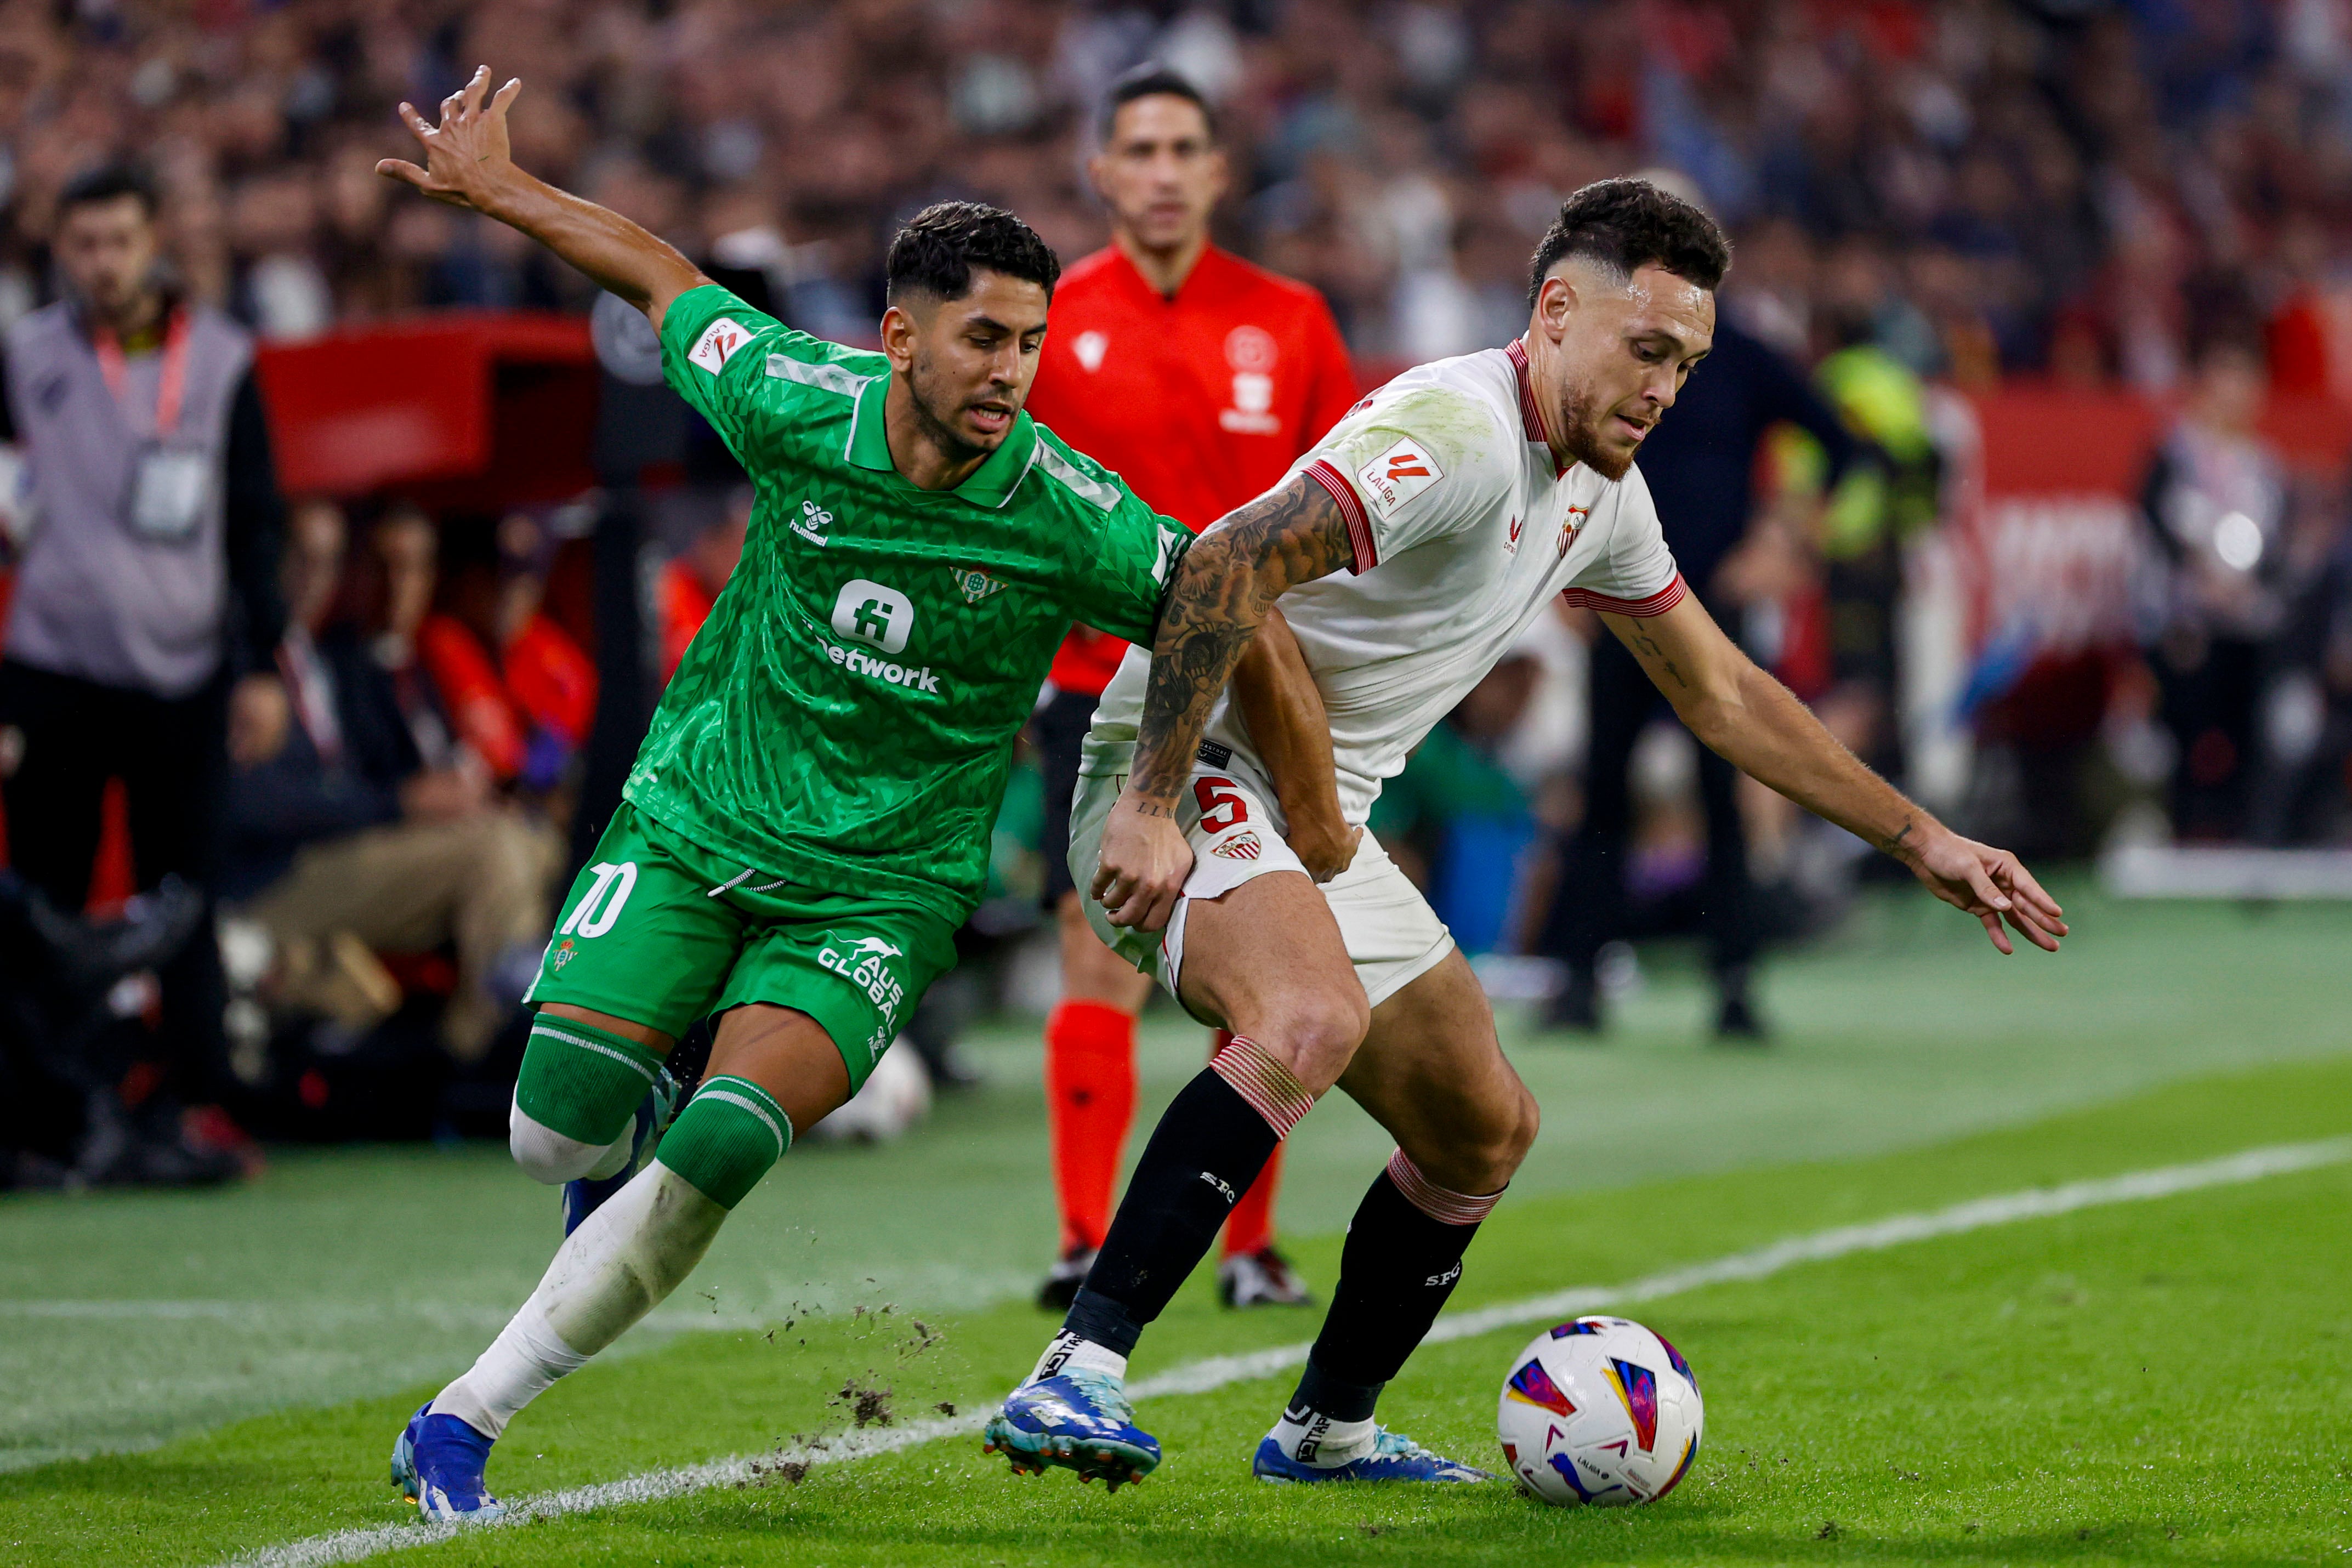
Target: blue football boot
<point>437,1463</point>
<point>585,1195</point>
<point>1394,1458</point>
<point>1080,1420</point>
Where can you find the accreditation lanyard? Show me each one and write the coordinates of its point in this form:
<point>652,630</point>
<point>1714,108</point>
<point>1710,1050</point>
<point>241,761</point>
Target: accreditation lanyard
<point>171,387</point>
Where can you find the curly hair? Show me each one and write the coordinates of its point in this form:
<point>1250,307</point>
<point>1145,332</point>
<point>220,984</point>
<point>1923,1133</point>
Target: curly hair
<point>936,252</point>
<point>1626,225</point>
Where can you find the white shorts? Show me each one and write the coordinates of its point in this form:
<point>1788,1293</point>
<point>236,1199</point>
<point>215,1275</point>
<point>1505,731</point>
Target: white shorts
<point>1393,937</point>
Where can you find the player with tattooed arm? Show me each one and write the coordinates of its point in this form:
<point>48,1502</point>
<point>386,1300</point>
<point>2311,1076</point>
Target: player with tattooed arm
<point>1409,548</point>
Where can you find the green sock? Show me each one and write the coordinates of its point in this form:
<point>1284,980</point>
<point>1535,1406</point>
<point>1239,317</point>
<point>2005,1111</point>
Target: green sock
<point>582,1081</point>
<point>726,1138</point>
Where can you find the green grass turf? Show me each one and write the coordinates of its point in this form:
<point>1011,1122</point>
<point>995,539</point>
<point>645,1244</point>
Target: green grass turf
<point>2157,1380</point>
<point>130,1319</point>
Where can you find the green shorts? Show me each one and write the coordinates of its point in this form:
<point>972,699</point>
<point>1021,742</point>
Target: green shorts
<point>661,931</point>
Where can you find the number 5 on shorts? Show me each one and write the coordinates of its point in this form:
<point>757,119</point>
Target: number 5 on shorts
<point>1221,808</point>
<point>587,918</point>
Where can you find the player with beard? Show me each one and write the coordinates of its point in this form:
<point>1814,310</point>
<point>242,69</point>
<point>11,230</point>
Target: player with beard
<point>1409,550</point>
<point>808,820</point>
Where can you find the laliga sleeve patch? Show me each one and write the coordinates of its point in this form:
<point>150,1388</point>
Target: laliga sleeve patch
<point>718,344</point>
<point>1396,476</point>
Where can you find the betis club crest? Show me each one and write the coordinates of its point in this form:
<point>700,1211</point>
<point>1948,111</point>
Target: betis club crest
<point>976,584</point>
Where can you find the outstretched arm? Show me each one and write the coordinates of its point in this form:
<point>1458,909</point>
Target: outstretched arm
<point>468,164</point>
<point>1758,725</point>
<point>1228,580</point>
<point>1283,708</point>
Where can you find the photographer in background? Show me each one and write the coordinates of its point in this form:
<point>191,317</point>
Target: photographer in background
<point>146,601</point>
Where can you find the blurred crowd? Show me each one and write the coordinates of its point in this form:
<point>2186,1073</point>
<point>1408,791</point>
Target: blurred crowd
<point>2149,196</point>
<point>2062,187</point>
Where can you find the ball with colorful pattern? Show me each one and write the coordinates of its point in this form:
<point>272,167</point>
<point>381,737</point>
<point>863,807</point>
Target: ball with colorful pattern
<point>1602,1411</point>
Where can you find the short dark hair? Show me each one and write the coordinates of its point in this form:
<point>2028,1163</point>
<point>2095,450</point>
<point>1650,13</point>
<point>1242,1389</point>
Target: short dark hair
<point>936,252</point>
<point>109,182</point>
<point>1626,225</point>
<point>1152,80</point>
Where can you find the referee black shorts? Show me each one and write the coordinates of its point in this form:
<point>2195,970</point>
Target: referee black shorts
<point>1058,730</point>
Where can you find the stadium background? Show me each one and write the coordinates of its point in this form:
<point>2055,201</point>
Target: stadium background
<point>2037,221</point>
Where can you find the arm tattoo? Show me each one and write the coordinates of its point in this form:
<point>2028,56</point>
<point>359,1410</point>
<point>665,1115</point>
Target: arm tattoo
<point>1218,597</point>
<point>1894,846</point>
<point>1647,646</point>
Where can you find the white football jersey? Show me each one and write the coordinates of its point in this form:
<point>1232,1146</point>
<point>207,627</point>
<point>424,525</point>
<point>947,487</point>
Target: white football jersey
<point>1464,528</point>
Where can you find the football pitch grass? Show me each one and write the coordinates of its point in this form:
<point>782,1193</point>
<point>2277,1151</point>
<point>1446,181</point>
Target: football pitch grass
<point>2149,1380</point>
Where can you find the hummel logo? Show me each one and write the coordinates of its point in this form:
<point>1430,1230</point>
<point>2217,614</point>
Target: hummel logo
<point>811,521</point>
<point>1217,1182</point>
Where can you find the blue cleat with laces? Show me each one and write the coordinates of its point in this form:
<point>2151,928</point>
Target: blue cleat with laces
<point>585,1195</point>
<point>1078,1420</point>
<point>1394,1458</point>
<point>437,1464</point>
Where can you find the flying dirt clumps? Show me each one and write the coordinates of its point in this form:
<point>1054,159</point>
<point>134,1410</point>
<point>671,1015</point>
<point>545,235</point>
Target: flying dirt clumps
<point>868,1405</point>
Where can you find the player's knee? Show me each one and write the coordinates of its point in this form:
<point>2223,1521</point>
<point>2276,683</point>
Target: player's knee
<point>1526,1123</point>
<point>1483,1148</point>
<point>1315,1032</point>
<point>545,1154</point>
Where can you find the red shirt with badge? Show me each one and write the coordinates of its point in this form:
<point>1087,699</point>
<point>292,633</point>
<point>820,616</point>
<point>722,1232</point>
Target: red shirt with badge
<point>1200,400</point>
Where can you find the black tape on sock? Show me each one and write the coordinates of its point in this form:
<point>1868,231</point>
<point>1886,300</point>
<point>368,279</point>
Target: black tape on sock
<point>1204,1155</point>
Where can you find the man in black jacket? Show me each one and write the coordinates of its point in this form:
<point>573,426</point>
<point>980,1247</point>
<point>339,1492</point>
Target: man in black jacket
<point>343,845</point>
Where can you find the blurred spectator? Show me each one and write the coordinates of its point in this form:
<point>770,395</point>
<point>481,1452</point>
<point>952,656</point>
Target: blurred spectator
<point>1700,463</point>
<point>146,597</point>
<point>402,565</point>
<point>691,580</point>
<point>2216,509</point>
<point>521,692</point>
<point>345,847</point>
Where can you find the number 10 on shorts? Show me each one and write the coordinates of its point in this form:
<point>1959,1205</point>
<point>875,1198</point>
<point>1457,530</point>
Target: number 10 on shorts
<point>595,914</point>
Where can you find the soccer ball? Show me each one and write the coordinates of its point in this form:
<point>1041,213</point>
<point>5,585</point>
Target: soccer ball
<point>1600,1410</point>
<point>894,1098</point>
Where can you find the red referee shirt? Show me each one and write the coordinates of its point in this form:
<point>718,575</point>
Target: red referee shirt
<point>1199,401</point>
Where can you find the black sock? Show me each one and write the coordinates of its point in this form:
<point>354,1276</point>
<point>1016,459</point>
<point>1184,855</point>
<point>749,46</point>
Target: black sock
<point>1204,1155</point>
<point>1397,1269</point>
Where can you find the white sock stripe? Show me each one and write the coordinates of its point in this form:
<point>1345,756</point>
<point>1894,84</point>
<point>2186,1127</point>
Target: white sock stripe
<point>599,1047</point>
<point>358,1544</point>
<point>729,1096</point>
<point>1440,1204</point>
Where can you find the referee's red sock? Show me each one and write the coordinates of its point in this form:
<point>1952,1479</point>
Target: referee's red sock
<point>1090,1101</point>
<point>1250,1227</point>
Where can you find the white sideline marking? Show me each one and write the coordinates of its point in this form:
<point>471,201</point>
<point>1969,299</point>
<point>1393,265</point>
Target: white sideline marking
<point>1218,1371</point>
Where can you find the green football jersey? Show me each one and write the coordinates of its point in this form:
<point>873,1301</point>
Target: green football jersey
<point>845,717</point>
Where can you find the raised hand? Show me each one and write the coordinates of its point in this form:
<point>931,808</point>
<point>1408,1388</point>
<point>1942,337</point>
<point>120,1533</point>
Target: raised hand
<point>1990,884</point>
<point>467,161</point>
